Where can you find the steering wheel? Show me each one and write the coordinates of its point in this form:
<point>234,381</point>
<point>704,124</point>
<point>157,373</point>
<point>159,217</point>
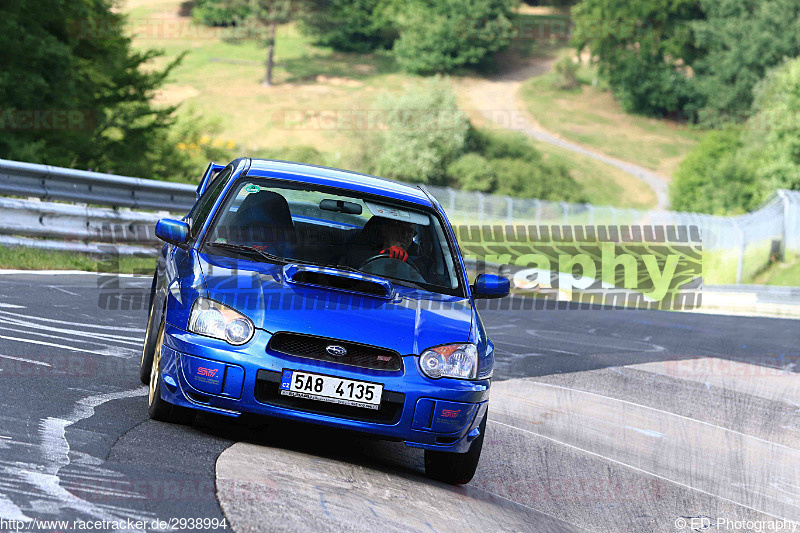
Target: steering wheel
<point>386,256</point>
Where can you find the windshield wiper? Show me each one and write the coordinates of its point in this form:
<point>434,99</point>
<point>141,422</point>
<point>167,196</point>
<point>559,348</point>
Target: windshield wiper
<point>249,249</point>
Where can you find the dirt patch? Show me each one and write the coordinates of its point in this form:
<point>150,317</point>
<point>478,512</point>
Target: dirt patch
<point>541,11</point>
<point>174,94</point>
<point>339,81</point>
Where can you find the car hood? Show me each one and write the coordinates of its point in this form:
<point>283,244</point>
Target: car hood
<point>408,322</point>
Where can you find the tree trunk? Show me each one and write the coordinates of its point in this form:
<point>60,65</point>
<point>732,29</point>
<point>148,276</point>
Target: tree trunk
<point>270,55</point>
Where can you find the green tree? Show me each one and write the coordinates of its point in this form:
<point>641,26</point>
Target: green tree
<point>73,59</point>
<point>442,35</point>
<point>741,40</point>
<point>218,12</point>
<point>425,132</point>
<point>254,15</point>
<point>269,14</point>
<point>773,133</point>
<point>737,168</point>
<point>349,25</point>
<point>643,48</point>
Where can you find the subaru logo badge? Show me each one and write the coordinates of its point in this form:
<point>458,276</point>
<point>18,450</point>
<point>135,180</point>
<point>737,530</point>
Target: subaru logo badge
<point>336,350</point>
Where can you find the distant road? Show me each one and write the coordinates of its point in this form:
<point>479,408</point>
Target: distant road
<point>500,94</point>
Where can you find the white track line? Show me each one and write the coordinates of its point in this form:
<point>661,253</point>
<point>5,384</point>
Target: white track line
<point>103,343</point>
<point>69,273</point>
<point>97,336</point>
<point>31,361</point>
<point>642,471</point>
<point>67,323</point>
<point>666,413</point>
<point>52,344</point>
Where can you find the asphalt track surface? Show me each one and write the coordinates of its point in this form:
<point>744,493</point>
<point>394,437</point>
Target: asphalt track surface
<point>599,420</point>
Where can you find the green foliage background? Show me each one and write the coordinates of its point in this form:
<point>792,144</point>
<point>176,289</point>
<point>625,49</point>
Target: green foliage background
<point>739,167</point>
<point>67,56</point>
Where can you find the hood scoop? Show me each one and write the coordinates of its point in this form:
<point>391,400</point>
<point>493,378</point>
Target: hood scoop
<point>339,280</point>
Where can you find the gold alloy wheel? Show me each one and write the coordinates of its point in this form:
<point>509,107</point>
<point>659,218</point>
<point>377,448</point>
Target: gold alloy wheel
<point>147,331</point>
<point>155,370</point>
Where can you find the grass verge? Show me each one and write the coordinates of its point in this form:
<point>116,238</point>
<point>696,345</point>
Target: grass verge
<point>602,184</point>
<point>19,258</point>
<point>785,273</point>
<point>590,115</point>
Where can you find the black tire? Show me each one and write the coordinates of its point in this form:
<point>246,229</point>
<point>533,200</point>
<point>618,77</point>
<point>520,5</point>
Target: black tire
<point>455,468</point>
<point>158,408</point>
<point>149,342</point>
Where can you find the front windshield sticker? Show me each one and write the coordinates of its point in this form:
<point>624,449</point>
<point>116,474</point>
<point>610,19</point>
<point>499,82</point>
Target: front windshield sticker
<point>252,188</point>
<point>397,214</point>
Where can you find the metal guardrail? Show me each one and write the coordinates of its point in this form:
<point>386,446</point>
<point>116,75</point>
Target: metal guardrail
<point>748,240</point>
<point>29,218</point>
<point>76,228</point>
<point>56,183</point>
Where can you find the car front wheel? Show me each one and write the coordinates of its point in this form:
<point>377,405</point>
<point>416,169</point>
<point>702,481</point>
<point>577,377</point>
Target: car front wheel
<point>456,468</point>
<point>148,348</point>
<point>160,409</point>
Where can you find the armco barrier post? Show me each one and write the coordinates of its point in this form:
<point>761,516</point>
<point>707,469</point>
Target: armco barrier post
<point>742,244</point>
<point>785,229</point>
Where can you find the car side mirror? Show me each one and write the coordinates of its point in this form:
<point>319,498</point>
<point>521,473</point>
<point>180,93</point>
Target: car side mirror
<point>491,286</point>
<point>172,231</point>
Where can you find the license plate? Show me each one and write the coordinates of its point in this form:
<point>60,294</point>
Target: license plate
<point>331,389</point>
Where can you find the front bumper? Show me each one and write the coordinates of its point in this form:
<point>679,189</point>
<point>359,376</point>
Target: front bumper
<point>210,375</point>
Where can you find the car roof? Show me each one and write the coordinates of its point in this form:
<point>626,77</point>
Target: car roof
<point>334,177</point>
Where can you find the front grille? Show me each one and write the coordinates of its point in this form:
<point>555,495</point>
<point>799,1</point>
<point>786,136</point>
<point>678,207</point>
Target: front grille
<point>268,392</point>
<point>360,355</point>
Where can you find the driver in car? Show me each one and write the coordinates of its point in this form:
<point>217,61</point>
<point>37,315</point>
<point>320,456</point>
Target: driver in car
<point>397,238</point>
<point>382,238</point>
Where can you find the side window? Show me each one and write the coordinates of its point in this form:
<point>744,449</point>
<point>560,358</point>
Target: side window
<point>201,209</point>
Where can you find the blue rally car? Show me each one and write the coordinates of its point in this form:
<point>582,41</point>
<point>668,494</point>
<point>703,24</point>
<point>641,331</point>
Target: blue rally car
<point>322,296</point>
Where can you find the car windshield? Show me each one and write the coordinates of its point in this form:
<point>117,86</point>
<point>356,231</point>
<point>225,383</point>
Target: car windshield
<point>275,222</point>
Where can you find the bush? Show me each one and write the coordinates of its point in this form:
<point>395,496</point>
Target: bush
<point>507,163</point>
<point>426,132</point>
<point>503,145</point>
<point>218,12</point>
<point>472,172</point>
<point>567,71</point>
<point>440,36</point>
<point>715,178</point>
<point>517,177</point>
<point>194,137</point>
<point>650,86</point>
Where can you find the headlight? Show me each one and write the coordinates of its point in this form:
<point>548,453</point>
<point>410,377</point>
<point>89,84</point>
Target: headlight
<point>213,319</point>
<point>450,361</point>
